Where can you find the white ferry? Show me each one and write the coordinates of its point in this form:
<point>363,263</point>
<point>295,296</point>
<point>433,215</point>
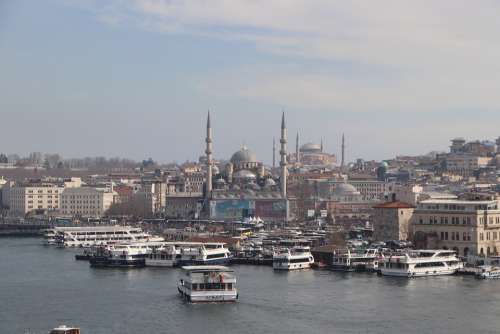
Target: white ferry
<point>131,255</point>
<point>165,256</point>
<point>200,284</point>
<point>292,258</point>
<point>487,271</point>
<point>49,237</point>
<point>206,253</point>
<point>99,235</point>
<point>347,260</point>
<point>421,263</point>
<point>65,330</point>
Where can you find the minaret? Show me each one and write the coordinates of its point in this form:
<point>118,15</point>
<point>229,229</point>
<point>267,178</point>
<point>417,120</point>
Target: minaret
<point>297,153</point>
<point>274,153</point>
<point>343,154</point>
<point>283,156</point>
<point>208,152</point>
<point>321,144</point>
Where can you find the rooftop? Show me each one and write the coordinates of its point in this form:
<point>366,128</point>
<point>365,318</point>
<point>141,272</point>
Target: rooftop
<point>394,205</point>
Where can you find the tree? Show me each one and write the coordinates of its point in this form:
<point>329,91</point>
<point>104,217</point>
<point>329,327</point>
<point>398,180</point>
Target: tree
<point>3,158</point>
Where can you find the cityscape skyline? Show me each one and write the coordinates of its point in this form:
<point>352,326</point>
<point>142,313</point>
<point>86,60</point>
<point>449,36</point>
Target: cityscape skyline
<point>111,84</point>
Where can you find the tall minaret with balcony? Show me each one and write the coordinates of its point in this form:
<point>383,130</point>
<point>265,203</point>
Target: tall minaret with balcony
<point>208,152</point>
<point>283,163</point>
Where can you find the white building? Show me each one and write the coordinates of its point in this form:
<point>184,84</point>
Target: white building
<point>28,197</point>
<point>86,201</point>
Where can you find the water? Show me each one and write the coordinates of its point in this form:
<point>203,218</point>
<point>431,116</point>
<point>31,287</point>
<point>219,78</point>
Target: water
<point>42,287</point>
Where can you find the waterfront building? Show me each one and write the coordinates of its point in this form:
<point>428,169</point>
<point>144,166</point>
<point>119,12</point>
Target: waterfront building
<point>391,221</point>
<point>469,225</point>
<point>86,201</point>
<point>34,196</point>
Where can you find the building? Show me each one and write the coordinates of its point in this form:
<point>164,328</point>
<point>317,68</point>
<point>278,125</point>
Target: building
<point>469,225</point>
<point>86,201</point>
<point>34,197</point>
<point>465,164</point>
<point>392,221</point>
<point>312,155</point>
<point>245,188</point>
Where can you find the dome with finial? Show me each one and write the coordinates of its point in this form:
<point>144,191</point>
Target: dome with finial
<point>310,148</point>
<point>243,156</point>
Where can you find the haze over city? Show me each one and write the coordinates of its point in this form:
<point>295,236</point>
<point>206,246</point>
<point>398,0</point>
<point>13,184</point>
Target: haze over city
<point>136,78</point>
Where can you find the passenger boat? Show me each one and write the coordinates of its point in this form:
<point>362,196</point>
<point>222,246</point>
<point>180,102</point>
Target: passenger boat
<point>162,257</point>
<point>421,263</point>
<point>200,284</point>
<point>97,235</point>
<point>131,255</point>
<point>49,237</point>
<point>486,272</point>
<point>292,258</point>
<point>65,330</point>
<point>347,260</point>
<point>208,253</point>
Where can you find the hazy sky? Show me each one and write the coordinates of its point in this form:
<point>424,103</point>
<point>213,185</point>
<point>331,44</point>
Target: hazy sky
<point>134,78</point>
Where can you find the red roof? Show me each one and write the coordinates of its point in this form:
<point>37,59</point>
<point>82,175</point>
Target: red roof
<point>394,205</point>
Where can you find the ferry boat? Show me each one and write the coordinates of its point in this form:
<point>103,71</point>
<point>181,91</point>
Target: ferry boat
<point>49,237</point>
<point>486,272</point>
<point>200,284</point>
<point>292,258</point>
<point>162,257</point>
<point>347,260</point>
<point>207,253</point>
<point>421,263</point>
<point>130,255</point>
<point>99,235</point>
<point>65,330</point>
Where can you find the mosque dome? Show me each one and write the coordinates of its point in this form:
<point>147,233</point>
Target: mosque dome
<point>310,148</point>
<point>384,164</point>
<point>243,156</point>
<point>244,174</point>
<point>345,189</point>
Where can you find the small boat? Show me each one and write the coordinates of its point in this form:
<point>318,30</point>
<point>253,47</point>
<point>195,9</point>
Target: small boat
<point>488,272</point>
<point>85,256</point>
<point>118,256</point>
<point>65,330</point>
<point>208,284</point>
<point>347,260</point>
<point>299,257</point>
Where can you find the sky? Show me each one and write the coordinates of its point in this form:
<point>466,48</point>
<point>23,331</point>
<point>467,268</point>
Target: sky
<point>135,78</point>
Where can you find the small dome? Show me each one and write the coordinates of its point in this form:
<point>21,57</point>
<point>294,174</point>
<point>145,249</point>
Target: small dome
<point>345,189</point>
<point>243,155</point>
<point>244,174</point>
<point>384,164</point>
<point>220,181</point>
<point>310,148</point>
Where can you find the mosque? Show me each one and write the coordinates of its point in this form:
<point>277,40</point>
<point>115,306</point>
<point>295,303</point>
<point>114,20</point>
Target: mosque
<point>243,187</point>
<point>312,155</point>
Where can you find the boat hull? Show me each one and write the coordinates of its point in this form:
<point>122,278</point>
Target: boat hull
<point>104,262</point>
<point>209,296</point>
<point>291,266</point>
<point>418,273</point>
